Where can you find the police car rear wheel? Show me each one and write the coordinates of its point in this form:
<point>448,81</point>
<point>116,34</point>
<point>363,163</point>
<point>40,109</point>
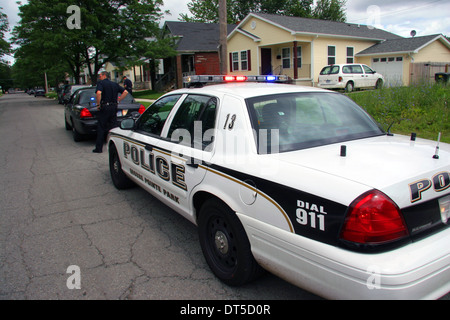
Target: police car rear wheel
<point>225,245</point>
<point>118,177</point>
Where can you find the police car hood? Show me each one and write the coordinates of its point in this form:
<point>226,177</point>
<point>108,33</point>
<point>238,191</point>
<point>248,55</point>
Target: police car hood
<point>386,163</point>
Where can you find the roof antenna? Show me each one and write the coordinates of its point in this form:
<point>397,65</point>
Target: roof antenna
<point>436,153</point>
<point>389,129</point>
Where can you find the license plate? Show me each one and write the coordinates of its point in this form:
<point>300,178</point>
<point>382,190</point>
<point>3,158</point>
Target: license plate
<point>328,81</point>
<point>440,76</point>
<point>444,206</point>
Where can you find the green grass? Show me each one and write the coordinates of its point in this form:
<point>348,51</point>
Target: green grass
<point>147,94</point>
<point>423,109</point>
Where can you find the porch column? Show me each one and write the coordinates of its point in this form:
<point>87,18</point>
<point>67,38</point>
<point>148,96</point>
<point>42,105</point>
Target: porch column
<point>295,61</point>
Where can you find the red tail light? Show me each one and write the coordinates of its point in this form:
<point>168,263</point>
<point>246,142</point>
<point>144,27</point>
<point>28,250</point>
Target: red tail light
<point>373,218</point>
<point>141,109</point>
<point>85,113</point>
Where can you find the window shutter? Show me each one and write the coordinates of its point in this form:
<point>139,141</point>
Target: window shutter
<point>231,62</point>
<point>249,59</point>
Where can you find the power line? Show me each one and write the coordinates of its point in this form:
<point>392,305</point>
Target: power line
<point>381,15</point>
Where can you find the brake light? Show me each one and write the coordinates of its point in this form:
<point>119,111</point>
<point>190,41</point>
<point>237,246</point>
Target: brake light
<point>141,109</point>
<point>373,218</point>
<point>85,113</point>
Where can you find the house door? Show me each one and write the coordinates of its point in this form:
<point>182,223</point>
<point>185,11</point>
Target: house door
<point>266,61</point>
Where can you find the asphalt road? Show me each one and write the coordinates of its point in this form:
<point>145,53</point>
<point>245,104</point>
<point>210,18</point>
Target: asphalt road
<point>67,233</point>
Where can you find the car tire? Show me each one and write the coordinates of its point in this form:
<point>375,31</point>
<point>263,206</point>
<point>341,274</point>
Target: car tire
<point>349,87</point>
<point>379,84</point>
<point>118,177</point>
<point>225,244</point>
<point>77,137</point>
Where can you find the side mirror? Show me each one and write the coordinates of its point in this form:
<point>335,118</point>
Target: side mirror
<point>127,124</point>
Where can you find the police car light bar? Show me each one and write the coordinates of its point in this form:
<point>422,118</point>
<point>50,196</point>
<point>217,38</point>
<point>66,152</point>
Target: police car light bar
<point>192,80</point>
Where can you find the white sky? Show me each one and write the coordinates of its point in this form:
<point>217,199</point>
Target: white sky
<point>396,16</point>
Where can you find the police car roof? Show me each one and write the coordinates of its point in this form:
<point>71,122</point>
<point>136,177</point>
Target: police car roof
<point>250,89</point>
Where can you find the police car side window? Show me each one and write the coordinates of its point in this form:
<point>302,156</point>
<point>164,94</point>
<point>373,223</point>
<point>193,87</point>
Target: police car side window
<point>196,115</point>
<point>153,119</point>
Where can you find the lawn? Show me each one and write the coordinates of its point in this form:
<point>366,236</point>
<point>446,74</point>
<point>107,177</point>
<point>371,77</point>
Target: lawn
<point>423,109</point>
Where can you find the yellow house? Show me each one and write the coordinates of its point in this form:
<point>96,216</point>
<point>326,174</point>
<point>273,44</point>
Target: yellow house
<point>408,60</point>
<point>300,47</point>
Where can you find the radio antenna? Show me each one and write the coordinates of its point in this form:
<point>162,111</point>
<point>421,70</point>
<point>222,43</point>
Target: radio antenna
<point>436,153</point>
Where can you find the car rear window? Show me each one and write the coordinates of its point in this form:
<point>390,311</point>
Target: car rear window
<point>330,70</point>
<point>298,121</point>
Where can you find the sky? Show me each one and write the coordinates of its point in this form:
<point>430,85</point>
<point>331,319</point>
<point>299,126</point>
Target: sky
<point>426,17</point>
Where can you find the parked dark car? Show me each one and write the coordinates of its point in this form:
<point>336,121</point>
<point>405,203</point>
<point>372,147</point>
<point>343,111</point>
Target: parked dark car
<point>69,90</point>
<point>81,110</point>
<point>39,92</point>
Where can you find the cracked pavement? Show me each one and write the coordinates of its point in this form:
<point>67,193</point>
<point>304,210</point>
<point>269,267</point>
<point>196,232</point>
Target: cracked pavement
<point>59,208</point>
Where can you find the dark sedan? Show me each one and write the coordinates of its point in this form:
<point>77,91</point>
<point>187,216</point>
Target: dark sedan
<point>81,110</point>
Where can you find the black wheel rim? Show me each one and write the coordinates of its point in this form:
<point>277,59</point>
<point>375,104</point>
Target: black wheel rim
<point>222,244</point>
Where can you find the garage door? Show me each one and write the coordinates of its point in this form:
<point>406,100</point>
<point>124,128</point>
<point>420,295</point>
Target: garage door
<point>391,68</point>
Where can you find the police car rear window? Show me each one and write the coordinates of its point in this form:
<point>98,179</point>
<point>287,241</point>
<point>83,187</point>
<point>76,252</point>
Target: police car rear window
<point>298,121</point>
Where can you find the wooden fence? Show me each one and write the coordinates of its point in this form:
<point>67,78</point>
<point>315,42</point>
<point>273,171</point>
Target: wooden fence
<point>425,72</point>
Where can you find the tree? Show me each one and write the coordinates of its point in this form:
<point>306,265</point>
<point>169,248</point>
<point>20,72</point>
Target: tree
<point>5,47</point>
<point>207,10</point>
<point>330,10</point>
<point>108,31</point>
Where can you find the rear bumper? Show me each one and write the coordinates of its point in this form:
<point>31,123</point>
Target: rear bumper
<point>339,85</point>
<point>419,270</point>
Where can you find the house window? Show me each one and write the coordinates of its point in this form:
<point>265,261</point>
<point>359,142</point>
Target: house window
<point>235,61</point>
<point>331,54</point>
<point>399,59</point>
<point>286,58</point>
<point>299,57</point>
<point>244,60</point>
<point>350,54</point>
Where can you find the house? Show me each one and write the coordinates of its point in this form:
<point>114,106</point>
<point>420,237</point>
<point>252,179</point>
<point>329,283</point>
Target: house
<point>301,47</point>
<point>197,46</point>
<point>408,60</point>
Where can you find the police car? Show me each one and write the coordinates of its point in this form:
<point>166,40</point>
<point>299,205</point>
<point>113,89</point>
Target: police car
<point>297,181</point>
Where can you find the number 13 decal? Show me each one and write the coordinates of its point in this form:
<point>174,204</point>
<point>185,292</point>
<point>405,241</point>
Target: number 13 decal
<point>230,122</point>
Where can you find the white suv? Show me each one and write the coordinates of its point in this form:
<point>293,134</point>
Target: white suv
<point>349,77</point>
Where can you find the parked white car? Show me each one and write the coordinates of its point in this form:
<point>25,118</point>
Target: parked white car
<point>349,77</point>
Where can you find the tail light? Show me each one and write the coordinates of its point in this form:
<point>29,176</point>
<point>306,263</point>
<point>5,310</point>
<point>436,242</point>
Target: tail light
<point>341,79</point>
<point>85,113</point>
<point>141,109</point>
<point>373,218</point>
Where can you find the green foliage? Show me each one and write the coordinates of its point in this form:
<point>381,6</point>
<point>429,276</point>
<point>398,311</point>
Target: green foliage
<point>110,31</point>
<point>423,109</point>
<point>237,10</point>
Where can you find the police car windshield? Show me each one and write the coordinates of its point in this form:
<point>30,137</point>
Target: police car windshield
<point>296,121</point>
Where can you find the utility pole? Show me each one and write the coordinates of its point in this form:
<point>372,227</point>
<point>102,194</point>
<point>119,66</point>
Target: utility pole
<point>223,36</point>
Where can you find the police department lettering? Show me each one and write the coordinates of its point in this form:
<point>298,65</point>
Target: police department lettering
<point>158,165</point>
<point>440,182</point>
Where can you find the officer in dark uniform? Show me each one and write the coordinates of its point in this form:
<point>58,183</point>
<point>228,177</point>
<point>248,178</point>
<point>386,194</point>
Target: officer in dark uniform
<point>107,101</point>
<point>128,85</point>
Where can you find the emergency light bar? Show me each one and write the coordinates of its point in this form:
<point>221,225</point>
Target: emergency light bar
<point>193,80</point>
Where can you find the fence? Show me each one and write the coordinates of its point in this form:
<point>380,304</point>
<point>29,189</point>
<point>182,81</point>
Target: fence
<point>424,72</point>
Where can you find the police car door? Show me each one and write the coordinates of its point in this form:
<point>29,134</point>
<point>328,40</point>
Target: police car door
<point>187,145</point>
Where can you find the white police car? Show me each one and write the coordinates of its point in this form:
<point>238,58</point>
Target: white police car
<point>300,181</point>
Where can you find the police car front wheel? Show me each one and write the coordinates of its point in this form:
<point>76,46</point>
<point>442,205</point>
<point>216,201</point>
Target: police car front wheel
<point>118,177</point>
<point>225,245</point>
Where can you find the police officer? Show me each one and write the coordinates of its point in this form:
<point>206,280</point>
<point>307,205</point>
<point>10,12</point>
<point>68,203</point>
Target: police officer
<point>107,101</point>
<point>128,85</point>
